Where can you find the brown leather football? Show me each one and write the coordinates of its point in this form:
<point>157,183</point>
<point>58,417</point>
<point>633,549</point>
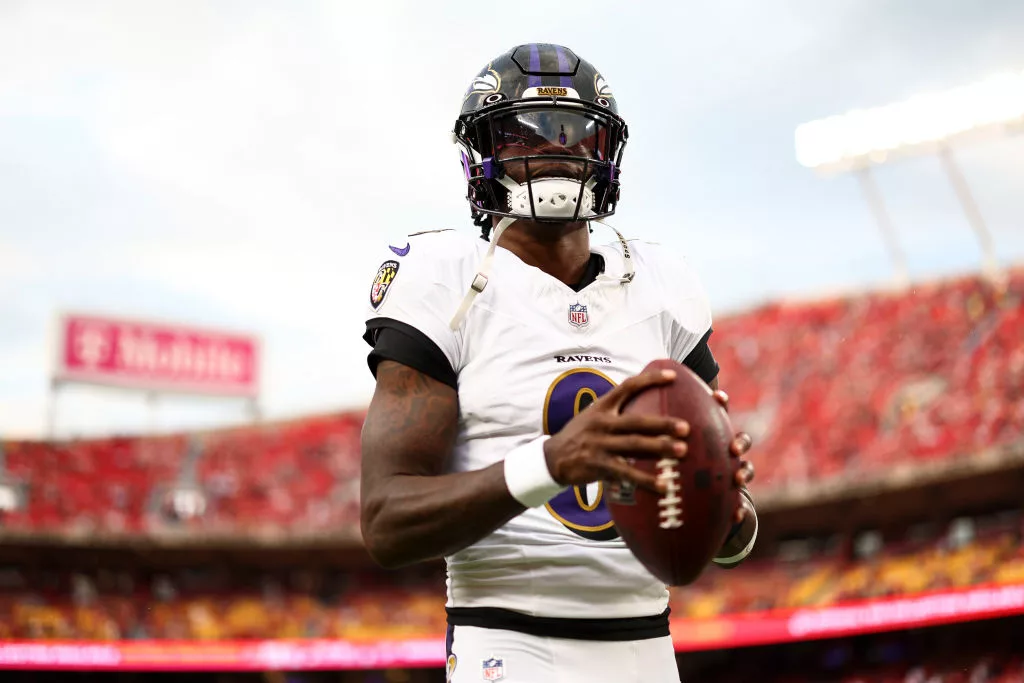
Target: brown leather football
<point>675,535</point>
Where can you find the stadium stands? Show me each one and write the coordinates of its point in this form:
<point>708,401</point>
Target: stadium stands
<point>306,475</point>
<point>923,560</point>
<point>84,486</point>
<point>221,604</point>
<point>836,388</point>
<point>848,386</point>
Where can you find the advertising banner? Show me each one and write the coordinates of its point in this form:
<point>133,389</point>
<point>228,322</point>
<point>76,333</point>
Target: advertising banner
<point>158,357</point>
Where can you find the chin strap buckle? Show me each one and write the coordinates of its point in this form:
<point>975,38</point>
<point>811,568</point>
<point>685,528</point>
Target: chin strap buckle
<point>480,280</point>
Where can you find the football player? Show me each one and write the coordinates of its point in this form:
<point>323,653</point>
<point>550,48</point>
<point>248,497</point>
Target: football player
<point>501,365</point>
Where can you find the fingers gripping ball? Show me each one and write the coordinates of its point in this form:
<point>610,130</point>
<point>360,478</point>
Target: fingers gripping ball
<point>676,534</point>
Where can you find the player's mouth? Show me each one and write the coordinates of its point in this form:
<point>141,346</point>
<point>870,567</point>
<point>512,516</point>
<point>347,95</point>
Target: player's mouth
<point>570,170</point>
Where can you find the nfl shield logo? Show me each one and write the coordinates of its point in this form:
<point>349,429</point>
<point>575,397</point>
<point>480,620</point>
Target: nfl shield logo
<point>578,315</point>
<point>494,669</point>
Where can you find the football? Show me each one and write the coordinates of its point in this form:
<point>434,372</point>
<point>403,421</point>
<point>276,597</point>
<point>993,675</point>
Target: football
<point>676,534</point>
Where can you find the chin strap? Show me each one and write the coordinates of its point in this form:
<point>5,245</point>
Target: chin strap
<point>626,277</point>
<point>481,278</point>
<point>480,281</point>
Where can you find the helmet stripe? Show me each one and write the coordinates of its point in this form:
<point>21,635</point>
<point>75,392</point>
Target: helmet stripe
<point>534,80</point>
<point>563,66</point>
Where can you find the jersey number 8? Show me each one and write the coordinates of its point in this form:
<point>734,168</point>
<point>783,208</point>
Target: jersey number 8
<point>570,393</point>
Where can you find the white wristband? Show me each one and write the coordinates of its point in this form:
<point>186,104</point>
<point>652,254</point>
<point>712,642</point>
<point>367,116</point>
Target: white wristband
<point>746,502</point>
<point>527,476</point>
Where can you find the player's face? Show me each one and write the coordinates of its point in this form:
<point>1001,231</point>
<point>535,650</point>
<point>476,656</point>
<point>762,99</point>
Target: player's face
<point>529,133</point>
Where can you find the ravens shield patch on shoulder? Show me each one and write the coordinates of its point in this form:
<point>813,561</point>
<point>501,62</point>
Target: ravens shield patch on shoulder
<point>382,282</point>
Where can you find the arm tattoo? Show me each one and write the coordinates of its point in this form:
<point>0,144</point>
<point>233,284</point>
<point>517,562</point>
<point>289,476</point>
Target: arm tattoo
<point>418,415</point>
<point>411,510</point>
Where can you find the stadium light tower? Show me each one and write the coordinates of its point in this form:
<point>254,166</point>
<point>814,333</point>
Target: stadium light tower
<point>928,124</point>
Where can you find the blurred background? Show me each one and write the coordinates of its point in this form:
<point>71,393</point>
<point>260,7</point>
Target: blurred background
<point>194,197</point>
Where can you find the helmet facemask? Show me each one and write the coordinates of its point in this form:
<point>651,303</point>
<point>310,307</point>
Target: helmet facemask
<point>547,159</point>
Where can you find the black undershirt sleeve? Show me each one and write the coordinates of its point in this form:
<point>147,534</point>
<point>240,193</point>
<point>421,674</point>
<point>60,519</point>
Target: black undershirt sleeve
<point>403,343</point>
<point>701,360</point>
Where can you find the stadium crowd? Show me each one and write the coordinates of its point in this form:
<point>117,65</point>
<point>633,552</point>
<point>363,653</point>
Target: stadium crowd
<point>814,572</point>
<point>847,387</point>
<point>225,603</point>
<point>838,388</point>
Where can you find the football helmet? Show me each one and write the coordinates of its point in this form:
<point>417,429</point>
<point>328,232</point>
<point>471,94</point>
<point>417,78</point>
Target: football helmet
<point>540,137</point>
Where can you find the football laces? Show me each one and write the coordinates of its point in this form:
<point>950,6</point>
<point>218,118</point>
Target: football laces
<point>670,513</point>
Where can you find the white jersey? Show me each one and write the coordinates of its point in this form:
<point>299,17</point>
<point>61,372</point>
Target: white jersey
<point>528,356</point>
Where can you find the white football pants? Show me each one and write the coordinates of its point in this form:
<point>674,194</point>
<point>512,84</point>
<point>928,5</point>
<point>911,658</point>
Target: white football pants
<point>483,654</point>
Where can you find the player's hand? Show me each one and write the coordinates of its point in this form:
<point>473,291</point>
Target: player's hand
<point>594,445</point>
<point>741,443</point>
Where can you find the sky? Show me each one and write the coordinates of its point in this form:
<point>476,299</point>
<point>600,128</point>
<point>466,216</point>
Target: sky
<point>243,164</point>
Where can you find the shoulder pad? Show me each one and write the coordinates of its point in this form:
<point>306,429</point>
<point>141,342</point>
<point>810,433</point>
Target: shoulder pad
<point>412,265</point>
<point>677,282</point>
<point>652,256</point>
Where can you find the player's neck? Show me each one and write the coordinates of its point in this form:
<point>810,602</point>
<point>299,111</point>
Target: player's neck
<point>562,250</point>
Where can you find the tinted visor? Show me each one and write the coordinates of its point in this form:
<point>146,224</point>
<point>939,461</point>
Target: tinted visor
<point>550,131</point>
